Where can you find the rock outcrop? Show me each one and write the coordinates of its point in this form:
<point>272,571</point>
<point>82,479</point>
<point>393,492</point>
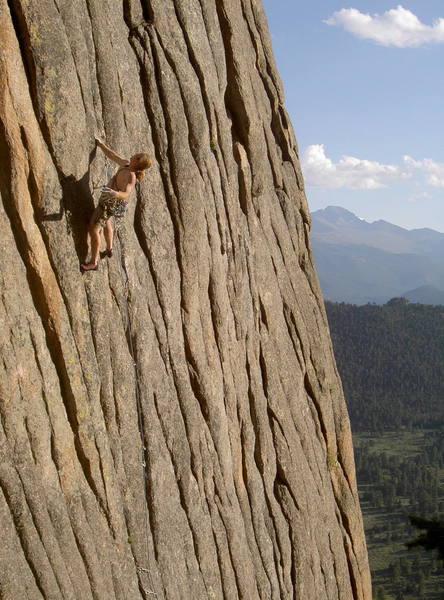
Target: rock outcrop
<point>220,330</point>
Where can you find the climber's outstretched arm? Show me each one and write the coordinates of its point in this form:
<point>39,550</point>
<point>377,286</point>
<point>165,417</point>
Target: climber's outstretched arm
<point>111,154</point>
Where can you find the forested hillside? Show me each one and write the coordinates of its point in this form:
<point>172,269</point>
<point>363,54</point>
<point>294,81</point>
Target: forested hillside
<point>391,360</point>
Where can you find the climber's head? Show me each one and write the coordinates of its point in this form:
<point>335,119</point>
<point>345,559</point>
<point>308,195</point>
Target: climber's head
<point>140,162</point>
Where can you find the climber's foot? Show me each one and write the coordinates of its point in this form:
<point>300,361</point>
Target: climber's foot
<point>106,253</point>
<point>89,267</point>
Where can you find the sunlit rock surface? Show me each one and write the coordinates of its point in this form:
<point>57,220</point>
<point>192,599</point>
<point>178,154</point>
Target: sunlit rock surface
<point>251,488</point>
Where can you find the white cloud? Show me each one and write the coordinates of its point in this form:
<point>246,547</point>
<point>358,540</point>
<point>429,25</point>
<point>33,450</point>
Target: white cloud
<point>396,27</point>
<point>419,196</point>
<point>434,171</point>
<point>348,172</point>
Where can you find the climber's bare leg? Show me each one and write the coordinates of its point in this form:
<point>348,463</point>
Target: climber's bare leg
<point>94,233</point>
<point>108,232</point>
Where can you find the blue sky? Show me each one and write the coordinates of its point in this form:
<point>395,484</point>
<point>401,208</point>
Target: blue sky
<point>365,91</point>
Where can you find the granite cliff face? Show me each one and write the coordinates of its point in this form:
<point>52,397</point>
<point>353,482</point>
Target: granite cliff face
<point>221,329</point>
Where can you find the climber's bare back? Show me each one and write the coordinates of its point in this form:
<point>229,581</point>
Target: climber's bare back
<point>122,180</point>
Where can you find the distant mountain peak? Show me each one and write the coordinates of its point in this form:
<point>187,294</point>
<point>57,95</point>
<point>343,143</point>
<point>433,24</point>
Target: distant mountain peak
<point>386,225</point>
<point>425,294</point>
<point>334,218</point>
<point>365,262</point>
<point>336,213</point>
<point>339,216</point>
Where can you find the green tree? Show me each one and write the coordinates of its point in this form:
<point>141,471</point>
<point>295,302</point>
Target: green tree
<point>380,593</point>
<point>432,539</point>
<point>421,585</point>
<point>396,572</point>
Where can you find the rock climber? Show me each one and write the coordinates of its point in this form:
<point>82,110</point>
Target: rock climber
<point>113,201</point>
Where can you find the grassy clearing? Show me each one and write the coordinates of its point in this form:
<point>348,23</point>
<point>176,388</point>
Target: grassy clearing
<point>402,443</point>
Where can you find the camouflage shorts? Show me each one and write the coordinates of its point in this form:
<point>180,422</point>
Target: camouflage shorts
<point>109,206</point>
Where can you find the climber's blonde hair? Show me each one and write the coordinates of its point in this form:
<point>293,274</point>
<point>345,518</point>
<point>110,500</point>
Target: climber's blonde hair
<point>141,162</point>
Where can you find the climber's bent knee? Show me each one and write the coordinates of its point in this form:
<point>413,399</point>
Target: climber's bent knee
<point>94,228</point>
